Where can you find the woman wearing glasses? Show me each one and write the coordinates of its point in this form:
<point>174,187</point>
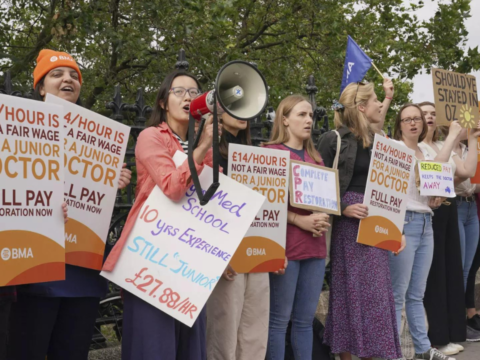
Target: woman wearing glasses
<point>409,269</point>
<point>148,333</point>
<point>361,318</point>
<point>445,292</point>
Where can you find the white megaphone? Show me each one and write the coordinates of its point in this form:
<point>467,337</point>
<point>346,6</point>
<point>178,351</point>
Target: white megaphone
<point>240,90</point>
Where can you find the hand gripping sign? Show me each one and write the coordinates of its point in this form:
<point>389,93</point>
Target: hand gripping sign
<point>386,194</point>
<point>265,171</point>
<point>31,192</point>
<point>177,251</point>
<point>94,150</point>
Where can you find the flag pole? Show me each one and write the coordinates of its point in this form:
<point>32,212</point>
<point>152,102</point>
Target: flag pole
<point>378,70</point>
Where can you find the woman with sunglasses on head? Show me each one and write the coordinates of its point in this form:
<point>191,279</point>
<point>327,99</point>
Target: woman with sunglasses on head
<point>148,333</point>
<point>361,317</point>
<point>446,283</point>
<point>238,307</point>
<point>409,269</point>
<point>294,295</point>
<point>57,319</point>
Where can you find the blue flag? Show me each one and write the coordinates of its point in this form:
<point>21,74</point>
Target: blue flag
<point>357,64</point>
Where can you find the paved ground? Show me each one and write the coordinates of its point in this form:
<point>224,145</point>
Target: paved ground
<point>472,352</point>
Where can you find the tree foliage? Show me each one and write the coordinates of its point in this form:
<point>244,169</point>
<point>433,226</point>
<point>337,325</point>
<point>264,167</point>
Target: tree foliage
<point>134,43</point>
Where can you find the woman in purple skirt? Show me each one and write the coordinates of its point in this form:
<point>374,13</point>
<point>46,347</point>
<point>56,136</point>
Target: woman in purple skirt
<point>361,318</point>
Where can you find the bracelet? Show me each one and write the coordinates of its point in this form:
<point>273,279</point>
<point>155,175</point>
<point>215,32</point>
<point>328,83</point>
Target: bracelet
<point>388,97</point>
<point>294,217</point>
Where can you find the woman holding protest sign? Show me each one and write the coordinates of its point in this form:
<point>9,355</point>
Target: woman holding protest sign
<point>409,269</point>
<point>361,318</point>
<point>451,261</point>
<point>239,304</point>
<point>56,319</point>
<point>149,333</point>
<point>294,296</point>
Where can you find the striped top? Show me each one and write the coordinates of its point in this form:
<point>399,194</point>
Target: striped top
<point>184,144</point>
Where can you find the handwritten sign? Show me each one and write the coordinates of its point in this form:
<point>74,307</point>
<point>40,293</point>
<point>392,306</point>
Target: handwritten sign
<point>391,168</point>
<point>314,187</point>
<point>456,98</point>
<point>436,179</point>
<point>177,251</point>
<point>31,183</point>
<point>265,171</point>
<point>94,150</point>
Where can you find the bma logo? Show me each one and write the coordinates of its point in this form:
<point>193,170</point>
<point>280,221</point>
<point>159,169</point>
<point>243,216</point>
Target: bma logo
<point>14,253</point>
<point>349,69</point>
<point>53,59</point>
<point>255,252</point>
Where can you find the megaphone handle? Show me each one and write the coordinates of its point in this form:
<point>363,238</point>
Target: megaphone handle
<point>215,145</point>
<point>199,133</point>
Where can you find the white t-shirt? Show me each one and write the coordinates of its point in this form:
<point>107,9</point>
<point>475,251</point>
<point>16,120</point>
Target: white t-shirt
<point>465,188</point>
<point>417,202</point>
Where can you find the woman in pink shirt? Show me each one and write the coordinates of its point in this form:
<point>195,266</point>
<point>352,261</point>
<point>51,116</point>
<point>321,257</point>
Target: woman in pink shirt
<point>148,333</point>
<point>295,295</point>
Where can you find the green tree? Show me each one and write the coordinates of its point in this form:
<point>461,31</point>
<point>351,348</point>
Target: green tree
<point>134,43</point>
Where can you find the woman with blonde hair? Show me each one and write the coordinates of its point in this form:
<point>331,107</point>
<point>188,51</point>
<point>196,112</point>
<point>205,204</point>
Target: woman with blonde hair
<point>295,294</point>
<point>361,318</point>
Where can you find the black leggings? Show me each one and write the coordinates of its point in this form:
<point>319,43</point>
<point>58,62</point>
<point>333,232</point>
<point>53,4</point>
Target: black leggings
<point>5,306</point>
<point>61,328</point>
<point>470,291</point>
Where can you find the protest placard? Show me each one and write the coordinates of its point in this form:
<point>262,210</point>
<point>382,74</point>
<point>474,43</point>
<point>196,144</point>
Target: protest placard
<point>265,171</point>
<point>177,251</point>
<point>456,98</point>
<point>31,192</point>
<point>94,150</point>
<point>436,179</point>
<point>314,187</point>
<point>391,167</point>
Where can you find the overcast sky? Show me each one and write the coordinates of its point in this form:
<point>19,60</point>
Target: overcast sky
<point>423,88</point>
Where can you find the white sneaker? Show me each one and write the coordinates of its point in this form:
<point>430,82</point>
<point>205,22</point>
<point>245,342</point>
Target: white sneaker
<point>458,346</point>
<point>450,349</point>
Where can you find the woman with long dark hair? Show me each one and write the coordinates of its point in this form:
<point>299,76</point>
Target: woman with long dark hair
<point>148,333</point>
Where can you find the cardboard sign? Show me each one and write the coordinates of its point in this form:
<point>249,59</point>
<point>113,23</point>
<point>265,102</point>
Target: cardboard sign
<point>391,168</point>
<point>31,192</point>
<point>314,188</point>
<point>456,98</point>
<point>94,150</point>
<point>436,179</point>
<point>265,171</point>
<point>177,251</point>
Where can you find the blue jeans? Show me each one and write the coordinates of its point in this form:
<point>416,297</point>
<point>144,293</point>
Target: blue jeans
<point>409,272</point>
<point>469,232</point>
<point>294,296</point>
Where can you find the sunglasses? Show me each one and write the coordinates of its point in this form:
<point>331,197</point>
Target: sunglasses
<point>363,83</point>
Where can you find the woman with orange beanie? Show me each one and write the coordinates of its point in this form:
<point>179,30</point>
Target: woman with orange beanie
<point>56,319</point>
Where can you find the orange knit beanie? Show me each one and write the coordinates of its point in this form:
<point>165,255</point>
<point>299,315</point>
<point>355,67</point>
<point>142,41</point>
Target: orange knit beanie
<point>48,60</point>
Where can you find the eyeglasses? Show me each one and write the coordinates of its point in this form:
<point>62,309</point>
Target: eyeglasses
<point>181,91</point>
<point>356,93</point>
<point>408,120</point>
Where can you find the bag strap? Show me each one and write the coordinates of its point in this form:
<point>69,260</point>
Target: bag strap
<point>337,155</point>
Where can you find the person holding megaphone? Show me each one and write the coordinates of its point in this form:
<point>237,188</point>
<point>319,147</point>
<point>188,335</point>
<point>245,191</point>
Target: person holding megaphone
<point>149,333</point>
<point>294,296</point>
<point>237,310</point>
